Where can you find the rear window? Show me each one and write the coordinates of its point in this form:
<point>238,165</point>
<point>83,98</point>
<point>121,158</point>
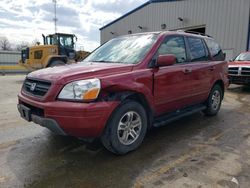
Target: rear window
<point>197,49</point>
<point>215,50</point>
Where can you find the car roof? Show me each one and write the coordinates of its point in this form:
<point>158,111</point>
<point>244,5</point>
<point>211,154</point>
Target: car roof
<point>179,32</point>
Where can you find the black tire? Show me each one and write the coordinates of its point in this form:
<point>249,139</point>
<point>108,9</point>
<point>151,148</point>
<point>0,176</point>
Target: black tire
<point>112,139</point>
<point>56,63</point>
<point>214,101</point>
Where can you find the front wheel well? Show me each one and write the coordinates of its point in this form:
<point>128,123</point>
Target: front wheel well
<point>53,59</point>
<point>137,97</point>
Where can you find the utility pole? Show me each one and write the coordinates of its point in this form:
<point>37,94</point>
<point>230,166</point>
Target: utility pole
<point>55,18</point>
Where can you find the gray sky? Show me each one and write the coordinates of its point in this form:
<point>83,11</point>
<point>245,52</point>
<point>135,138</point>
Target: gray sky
<point>26,20</point>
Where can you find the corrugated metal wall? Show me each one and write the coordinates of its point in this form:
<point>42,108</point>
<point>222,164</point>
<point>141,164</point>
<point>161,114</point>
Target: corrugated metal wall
<point>9,62</point>
<point>9,57</point>
<point>226,20</point>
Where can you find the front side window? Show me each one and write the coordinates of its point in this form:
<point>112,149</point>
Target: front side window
<point>174,45</point>
<point>127,49</point>
<point>197,49</point>
<point>243,57</point>
<point>215,50</point>
<point>51,40</point>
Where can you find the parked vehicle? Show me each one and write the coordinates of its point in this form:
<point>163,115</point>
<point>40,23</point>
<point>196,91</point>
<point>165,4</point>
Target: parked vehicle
<point>239,69</point>
<point>127,86</point>
<point>58,49</point>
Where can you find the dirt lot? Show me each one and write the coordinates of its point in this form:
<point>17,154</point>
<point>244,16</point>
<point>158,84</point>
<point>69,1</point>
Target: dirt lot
<point>196,151</point>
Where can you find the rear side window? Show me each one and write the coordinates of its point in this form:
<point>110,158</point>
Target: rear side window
<point>197,49</point>
<point>215,50</point>
<point>174,45</point>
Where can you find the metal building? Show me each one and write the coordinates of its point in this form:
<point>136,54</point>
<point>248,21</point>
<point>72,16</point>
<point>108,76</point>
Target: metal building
<point>228,21</point>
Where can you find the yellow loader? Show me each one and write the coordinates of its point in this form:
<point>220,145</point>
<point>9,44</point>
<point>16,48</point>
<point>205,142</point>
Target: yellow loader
<point>58,49</point>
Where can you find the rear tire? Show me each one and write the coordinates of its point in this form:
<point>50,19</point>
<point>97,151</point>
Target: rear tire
<point>126,128</point>
<point>56,63</point>
<point>214,101</point>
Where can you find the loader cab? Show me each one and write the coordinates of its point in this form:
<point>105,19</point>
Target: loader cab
<point>65,43</point>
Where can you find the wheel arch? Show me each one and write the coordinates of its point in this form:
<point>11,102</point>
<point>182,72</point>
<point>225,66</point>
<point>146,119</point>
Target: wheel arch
<point>221,84</point>
<point>137,97</point>
<point>55,58</point>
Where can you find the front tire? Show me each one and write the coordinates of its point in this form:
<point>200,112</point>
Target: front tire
<point>126,128</point>
<point>214,101</point>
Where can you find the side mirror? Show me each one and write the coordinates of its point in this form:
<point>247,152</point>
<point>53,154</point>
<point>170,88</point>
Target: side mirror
<point>166,60</point>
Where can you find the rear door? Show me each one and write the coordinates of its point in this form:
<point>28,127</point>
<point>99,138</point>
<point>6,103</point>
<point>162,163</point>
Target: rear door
<point>173,84</point>
<point>202,68</point>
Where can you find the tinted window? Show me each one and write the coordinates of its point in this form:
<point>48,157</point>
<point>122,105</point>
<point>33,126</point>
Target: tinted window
<point>215,50</point>
<point>197,49</point>
<point>174,45</point>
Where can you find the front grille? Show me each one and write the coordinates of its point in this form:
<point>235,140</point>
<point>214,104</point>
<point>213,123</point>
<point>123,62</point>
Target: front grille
<point>245,71</point>
<point>36,87</point>
<point>233,70</point>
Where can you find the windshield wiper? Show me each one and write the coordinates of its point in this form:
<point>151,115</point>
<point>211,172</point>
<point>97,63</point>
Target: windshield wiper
<point>102,61</point>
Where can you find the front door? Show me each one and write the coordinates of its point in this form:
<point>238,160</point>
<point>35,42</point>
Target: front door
<point>173,84</point>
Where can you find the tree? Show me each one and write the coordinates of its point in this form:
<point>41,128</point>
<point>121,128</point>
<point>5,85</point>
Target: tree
<point>22,45</point>
<point>35,42</point>
<point>5,44</point>
<point>25,44</point>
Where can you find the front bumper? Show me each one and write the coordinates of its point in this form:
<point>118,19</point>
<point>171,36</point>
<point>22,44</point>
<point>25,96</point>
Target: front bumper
<point>49,123</point>
<point>84,120</point>
<point>242,80</point>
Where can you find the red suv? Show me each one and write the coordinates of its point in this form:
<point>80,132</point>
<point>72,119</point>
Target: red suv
<point>127,86</point>
<point>239,69</point>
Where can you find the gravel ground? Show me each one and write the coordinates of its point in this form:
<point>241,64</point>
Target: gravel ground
<point>196,151</point>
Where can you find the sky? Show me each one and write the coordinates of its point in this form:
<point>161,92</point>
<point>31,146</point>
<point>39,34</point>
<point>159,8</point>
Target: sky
<point>27,20</point>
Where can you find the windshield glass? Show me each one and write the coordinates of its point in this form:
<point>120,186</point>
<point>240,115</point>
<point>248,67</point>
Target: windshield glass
<point>127,49</point>
<point>243,57</point>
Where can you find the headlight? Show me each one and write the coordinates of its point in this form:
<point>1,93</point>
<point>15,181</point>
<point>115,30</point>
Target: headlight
<point>81,90</point>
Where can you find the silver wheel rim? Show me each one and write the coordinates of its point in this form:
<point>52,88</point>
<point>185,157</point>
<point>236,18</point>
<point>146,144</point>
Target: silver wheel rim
<point>129,128</point>
<point>216,100</point>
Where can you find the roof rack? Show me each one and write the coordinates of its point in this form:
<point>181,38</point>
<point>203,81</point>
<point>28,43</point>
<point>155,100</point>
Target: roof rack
<point>197,33</point>
<point>194,32</point>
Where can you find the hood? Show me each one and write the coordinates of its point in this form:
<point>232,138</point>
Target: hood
<point>239,63</point>
<point>67,73</point>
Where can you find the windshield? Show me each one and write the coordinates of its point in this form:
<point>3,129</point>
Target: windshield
<point>127,49</point>
<point>243,57</point>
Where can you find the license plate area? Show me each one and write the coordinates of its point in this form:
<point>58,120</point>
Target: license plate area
<point>25,112</point>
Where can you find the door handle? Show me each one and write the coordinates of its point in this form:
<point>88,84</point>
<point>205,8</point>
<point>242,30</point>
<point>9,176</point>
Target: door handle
<point>187,71</point>
<point>211,68</point>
